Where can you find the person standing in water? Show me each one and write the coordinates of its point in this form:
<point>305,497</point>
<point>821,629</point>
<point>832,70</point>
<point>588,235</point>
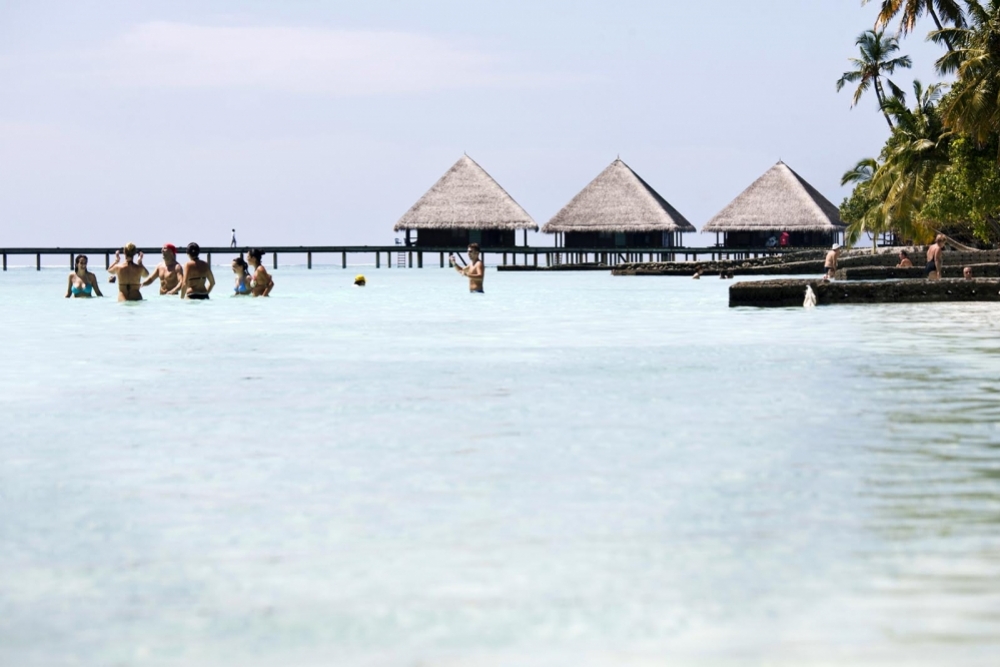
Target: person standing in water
<point>129,273</point>
<point>934,259</point>
<point>475,271</point>
<point>81,281</point>
<point>261,282</point>
<point>196,273</point>
<point>242,271</point>
<point>168,272</point>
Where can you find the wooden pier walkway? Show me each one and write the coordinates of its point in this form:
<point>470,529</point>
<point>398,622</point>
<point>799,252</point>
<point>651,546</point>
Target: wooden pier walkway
<point>414,257</point>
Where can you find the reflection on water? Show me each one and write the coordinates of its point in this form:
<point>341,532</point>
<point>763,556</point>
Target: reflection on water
<point>576,469</point>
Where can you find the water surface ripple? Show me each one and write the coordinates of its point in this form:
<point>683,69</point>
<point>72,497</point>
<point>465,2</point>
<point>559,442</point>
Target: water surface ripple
<point>567,470</point>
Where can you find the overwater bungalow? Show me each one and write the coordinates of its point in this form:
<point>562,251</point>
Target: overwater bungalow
<point>465,206</point>
<point>777,202</point>
<point>618,210</point>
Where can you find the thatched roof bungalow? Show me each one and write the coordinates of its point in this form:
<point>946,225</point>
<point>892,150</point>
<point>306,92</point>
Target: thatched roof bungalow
<point>777,202</point>
<point>466,205</point>
<point>618,210</point>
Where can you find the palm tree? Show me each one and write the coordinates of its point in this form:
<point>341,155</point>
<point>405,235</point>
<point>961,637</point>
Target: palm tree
<point>874,62</point>
<point>910,10</point>
<point>871,217</point>
<point>913,155</point>
<point>973,107</point>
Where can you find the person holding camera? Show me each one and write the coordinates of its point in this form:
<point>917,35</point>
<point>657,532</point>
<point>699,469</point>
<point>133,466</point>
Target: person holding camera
<point>475,271</point>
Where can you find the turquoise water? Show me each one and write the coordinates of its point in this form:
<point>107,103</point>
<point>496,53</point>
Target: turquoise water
<point>572,469</point>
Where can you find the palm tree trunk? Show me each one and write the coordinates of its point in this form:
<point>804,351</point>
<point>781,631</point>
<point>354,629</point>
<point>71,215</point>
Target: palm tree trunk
<point>937,22</point>
<point>880,96</point>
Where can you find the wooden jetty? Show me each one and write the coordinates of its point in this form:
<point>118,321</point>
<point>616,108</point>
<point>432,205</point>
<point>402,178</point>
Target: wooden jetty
<point>791,293</point>
<point>400,256</point>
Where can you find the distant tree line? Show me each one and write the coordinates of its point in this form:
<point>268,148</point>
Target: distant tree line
<point>939,170</point>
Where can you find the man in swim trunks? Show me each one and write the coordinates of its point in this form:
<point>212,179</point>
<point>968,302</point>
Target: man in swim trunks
<point>129,273</point>
<point>474,271</point>
<point>196,273</point>
<point>831,261</point>
<point>169,271</point>
<point>934,259</point>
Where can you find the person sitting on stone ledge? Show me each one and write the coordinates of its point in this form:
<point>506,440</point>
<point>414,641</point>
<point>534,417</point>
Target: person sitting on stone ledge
<point>967,273</point>
<point>904,260</point>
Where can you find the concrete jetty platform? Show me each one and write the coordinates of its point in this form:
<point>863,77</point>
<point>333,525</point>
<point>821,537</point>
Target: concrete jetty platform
<point>791,293</point>
<point>916,272</point>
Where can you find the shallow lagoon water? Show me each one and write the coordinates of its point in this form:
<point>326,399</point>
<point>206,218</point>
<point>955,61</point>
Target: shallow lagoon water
<point>572,469</point>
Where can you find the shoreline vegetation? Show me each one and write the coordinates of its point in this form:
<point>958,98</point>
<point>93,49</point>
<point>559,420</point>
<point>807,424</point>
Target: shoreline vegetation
<point>939,169</point>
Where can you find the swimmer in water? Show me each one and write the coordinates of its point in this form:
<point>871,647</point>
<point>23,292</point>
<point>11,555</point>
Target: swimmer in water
<point>130,273</point>
<point>242,271</point>
<point>82,283</point>
<point>196,273</point>
<point>261,282</point>
<point>474,271</point>
<point>359,281</point>
<point>168,272</point>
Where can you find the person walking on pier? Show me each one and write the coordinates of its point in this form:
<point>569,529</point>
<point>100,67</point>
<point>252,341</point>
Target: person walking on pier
<point>261,282</point>
<point>232,244</point>
<point>130,273</point>
<point>934,258</point>
<point>196,273</point>
<point>168,272</point>
<point>81,281</point>
<point>475,271</point>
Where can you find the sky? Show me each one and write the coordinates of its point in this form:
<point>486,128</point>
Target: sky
<point>320,122</point>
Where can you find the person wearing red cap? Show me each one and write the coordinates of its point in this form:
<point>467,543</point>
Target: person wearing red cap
<point>168,271</point>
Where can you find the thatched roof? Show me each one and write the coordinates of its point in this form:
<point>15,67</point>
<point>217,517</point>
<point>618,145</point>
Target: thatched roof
<point>466,197</point>
<point>618,200</point>
<point>777,201</point>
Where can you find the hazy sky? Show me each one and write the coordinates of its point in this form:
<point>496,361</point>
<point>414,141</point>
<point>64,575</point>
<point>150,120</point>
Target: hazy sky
<point>304,122</point>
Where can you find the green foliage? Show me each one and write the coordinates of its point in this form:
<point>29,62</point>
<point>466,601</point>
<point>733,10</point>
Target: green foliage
<point>875,61</point>
<point>965,194</point>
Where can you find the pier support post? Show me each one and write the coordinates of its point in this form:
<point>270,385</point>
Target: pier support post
<point>536,259</point>
<point>38,261</point>
<point>309,260</point>
<point>442,260</point>
<point>5,261</point>
<point>378,260</point>
<point>209,260</point>
<point>72,262</point>
<point>343,259</point>
<point>409,260</point>
<point>505,259</point>
<point>420,260</point>
<point>274,261</point>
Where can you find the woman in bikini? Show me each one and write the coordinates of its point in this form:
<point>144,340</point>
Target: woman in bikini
<point>82,283</point>
<point>130,273</point>
<point>262,283</point>
<point>242,271</point>
<point>197,273</point>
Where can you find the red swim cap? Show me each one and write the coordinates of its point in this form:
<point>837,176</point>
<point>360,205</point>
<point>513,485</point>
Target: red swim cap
<point>171,247</point>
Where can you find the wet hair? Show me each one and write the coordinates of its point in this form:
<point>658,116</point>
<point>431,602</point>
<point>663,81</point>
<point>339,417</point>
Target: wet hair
<point>240,262</point>
<point>904,253</point>
<point>255,253</point>
<point>475,246</point>
<point>76,264</point>
<point>130,249</point>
